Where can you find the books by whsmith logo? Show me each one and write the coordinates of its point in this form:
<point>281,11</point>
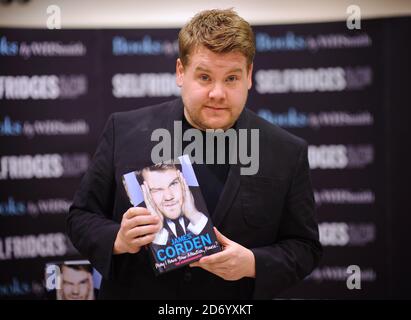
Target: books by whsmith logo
<point>11,206</point>
<point>290,41</point>
<point>293,118</point>
<point>340,196</point>
<point>146,46</point>
<point>26,50</point>
<point>8,48</point>
<point>353,275</point>
<point>17,288</point>
<point>10,127</point>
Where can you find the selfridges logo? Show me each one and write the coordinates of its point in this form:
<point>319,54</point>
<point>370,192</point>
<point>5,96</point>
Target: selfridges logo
<point>46,87</point>
<point>294,42</point>
<point>33,246</point>
<point>43,166</point>
<point>295,119</point>
<point>313,80</point>
<point>343,196</point>
<point>130,85</point>
<point>340,156</point>
<point>343,234</point>
<point>52,127</point>
<point>13,207</point>
<point>339,273</point>
<point>146,46</point>
<point>41,48</point>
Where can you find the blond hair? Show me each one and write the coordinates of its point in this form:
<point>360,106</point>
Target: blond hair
<point>220,31</point>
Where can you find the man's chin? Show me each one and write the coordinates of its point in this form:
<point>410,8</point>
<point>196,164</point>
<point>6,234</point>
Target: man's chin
<point>216,123</point>
<point>172,214</point>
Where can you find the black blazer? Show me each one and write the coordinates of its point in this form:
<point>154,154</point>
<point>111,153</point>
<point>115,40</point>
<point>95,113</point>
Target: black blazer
<point>272,213</point>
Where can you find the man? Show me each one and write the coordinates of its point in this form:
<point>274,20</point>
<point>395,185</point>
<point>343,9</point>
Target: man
<point>76,283</point>
<point>265,222</point>
<point>167,196</point>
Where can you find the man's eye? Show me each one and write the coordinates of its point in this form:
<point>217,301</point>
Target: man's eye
<point>204,77</point>
<point>232,78</point>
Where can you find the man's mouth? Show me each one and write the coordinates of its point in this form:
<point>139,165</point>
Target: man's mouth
<point>216,108</point>
<point>170,204</point>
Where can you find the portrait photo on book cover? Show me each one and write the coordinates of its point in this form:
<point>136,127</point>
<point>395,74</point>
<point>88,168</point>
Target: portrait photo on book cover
<point>71,280</point>
<point>170,190</point>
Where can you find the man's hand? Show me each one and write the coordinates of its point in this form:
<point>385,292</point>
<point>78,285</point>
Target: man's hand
<point>138,228</point>
<point>189,209</point>
<point>233,263</point>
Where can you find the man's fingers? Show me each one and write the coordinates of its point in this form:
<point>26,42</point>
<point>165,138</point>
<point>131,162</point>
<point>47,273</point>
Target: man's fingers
<point>142,241</point>
<point>147,198</point>
<point>142,220</point>
<point>179,178</point>
<point>143,188</point>
<point>186,189</point>
<point>136,211</point>
<point>145,192</point>
<point>142,230</point>
<point>216,258</point>
<point>180,175</point>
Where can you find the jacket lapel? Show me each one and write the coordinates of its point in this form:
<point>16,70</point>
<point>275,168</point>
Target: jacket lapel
<point>231,187</point>
<point>175,112</point>
<point>230,190</point>
<point>232,183</point>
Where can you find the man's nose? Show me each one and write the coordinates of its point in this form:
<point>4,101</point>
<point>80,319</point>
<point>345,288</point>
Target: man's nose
<point>168,194</point>
<point>217,92</point>
<point>76,289</point>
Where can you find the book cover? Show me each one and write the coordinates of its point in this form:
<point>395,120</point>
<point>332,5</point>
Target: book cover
<point>71,280</point>
<point>171,191</point>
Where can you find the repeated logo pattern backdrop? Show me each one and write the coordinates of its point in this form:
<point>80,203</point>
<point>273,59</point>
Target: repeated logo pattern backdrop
<point>320,81</point>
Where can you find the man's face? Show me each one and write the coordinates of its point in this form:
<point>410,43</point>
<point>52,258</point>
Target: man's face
<point>166,191</point>
<point>76,284</point>
<point>214,88</point>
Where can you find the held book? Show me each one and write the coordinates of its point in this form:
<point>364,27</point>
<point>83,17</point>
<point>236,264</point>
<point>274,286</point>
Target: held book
<point>171,191</point>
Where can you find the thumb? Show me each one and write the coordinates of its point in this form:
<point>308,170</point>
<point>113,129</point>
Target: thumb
<point>221,238</point>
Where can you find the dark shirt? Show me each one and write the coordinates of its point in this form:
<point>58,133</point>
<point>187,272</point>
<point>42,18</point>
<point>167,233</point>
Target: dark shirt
<point>211,177</point>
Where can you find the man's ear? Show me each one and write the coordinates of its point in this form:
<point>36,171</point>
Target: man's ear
<point>179,73</point>
<point>250,76</point>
